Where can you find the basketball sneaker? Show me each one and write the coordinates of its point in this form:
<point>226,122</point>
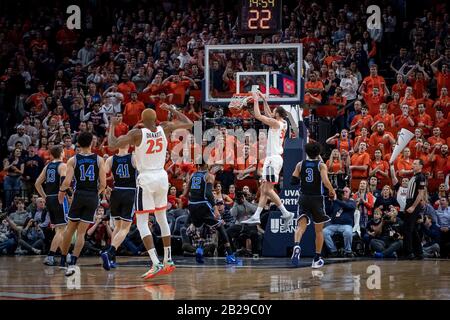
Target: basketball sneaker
<point>106,262</point>
<point>252,220</point>
<point>199,255</point>
<point>287,217</point>
<point>316,264</point>
<point>153,272</point>
<point>50,261</point>
<point>113,264</point>
<point>231,259</point>
<point>169,267</point>
<point>295,259</point>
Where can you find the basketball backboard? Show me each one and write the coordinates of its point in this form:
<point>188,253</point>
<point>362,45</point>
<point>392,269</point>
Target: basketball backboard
<point>273,66</point>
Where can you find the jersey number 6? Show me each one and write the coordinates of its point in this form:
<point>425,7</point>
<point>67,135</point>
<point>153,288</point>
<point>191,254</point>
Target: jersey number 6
<point>155,146</point>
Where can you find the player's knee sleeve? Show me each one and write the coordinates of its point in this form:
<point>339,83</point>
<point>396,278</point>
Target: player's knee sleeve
<point>161,218</point>
<point>142,225</point>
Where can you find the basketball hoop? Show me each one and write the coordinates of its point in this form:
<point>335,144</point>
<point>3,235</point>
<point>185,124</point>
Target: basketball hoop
<point>240,100</point>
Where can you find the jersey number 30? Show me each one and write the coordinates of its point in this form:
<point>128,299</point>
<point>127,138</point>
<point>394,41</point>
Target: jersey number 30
<point>155,146</point>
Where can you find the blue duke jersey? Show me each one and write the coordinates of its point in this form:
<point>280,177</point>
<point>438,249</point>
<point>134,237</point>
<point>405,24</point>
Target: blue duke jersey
<point>123,172</point>
<point>52,179</point>
<point>310,179</point>
<point>200,191</point>
<point>86,172</point>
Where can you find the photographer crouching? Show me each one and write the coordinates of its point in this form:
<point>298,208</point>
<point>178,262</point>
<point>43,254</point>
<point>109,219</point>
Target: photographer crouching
<point>389,241</point>
<point>342,220</point>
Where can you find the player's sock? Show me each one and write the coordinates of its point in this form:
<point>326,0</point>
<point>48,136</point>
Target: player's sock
<point>258,212</point>
<point>153,256</point>
<point>73,261</point>
<point>317,257</point>
<point>297,244</point>
<point>51,253</point>
<point>167,254</point>
<point>112,250</point>
<point>62,263</point>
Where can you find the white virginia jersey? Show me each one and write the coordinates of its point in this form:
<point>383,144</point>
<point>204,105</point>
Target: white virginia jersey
<point>151,153</point>
<point>275,139</point>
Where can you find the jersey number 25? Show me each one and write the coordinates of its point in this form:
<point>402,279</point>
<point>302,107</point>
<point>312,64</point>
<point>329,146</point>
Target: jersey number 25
<point>155,146</point>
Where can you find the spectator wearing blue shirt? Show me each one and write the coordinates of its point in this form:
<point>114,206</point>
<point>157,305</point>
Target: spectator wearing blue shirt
<point>431,236</point>
<point>342,219</point>
<point>443,214</point>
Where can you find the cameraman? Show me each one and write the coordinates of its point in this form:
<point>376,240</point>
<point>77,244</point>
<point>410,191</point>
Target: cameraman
<point>391,239</point>
<point>32,239</point>
<point>247,233</point>
<point>9,233</point>
<point>342,219</point>
<point>98,236</point>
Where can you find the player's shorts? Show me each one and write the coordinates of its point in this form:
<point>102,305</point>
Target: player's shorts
<point>84,206</point>
<point>122,204</point>
<point>271,168</point>
<point>202,213</point>
<point>58,212</point>
<point>313,208</point>
<point>151,193</point>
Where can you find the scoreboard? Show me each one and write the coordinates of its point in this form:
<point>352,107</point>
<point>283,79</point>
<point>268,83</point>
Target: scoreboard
<point>260,16</point>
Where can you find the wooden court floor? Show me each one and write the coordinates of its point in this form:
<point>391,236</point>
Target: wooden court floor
<point>25,277</point>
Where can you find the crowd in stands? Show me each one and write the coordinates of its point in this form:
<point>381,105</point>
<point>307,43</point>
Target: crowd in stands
<point>56,83</point>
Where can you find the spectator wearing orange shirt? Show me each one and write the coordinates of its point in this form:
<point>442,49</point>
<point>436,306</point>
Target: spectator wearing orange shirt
<point>365,202</point>
<point>177,85</point>
<point>69,150</point>
<point>423,120</point>
<point>416,142</point>
<point>158,100</point>
<point>374,80</point>
<point>442,77</point>
<point>363,137</point>
<point>192,110</point>
<point>439,157</point>
<point>363,120</point>
<point>121,128</point>
<point>313,90</point>
<point>436,138</point>
<point>394,105</point>
<point>152,89</point>
<point>378,167</point>
<point>409,99</point>
<point>133,110</point>
<point>360,162</point>
<point>383,117</point>
<point>440,121</point>
<point>424,153</point>
<point>405,120</point>
<point>245,167</point>
<point>341,141</point>
<point>382,139</point>
<point>419,83</point>
<point>126,87</point>
<point>400,86</point>
<point>444,100</point>
<point>404,164</point>
<point>38,99</point>
<point>425,99</point>
<point>334,164</point>
<point>373,100</point>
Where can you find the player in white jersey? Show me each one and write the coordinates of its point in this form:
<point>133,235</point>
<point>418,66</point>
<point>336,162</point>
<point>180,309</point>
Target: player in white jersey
<point>152,183</point>
<point>273,162</point>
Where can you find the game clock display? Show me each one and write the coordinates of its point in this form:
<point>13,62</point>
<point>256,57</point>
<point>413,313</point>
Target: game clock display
<point>260,16</point>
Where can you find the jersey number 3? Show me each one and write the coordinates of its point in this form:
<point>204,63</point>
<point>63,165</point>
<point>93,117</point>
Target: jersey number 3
<point>155,146</point>
<point>310,175</point>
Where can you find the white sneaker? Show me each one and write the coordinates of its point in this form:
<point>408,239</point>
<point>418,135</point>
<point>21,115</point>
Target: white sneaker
<point>317,264</point>
<point>287,217</point>
<point>252,220</point>
<point>70,271</point>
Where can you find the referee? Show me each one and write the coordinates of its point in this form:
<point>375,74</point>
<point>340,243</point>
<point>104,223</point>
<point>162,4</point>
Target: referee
<point>416,193</point>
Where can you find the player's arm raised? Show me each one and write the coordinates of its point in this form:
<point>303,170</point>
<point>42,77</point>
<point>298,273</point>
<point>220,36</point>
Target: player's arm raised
<point>133,137</point>
<point>267,110</point>
<point>66,183</point>
<point>266,120</point>
<point>40,180</point>
<point>326,181</point>
<point>182,122</point>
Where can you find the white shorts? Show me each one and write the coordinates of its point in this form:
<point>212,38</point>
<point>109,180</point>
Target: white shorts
<point>271,168</point>
<point>151,191</point>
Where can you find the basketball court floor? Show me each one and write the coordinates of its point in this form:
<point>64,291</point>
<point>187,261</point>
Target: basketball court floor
<point>25,277</point>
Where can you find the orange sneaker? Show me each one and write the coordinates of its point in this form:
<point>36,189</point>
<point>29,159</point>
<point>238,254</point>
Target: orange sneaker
<point>153,272</point>
<point>169,267</point>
